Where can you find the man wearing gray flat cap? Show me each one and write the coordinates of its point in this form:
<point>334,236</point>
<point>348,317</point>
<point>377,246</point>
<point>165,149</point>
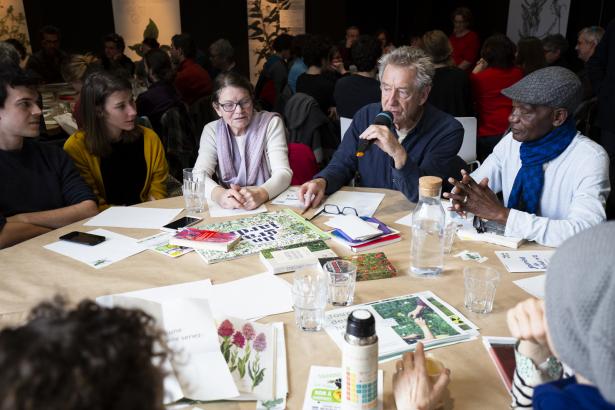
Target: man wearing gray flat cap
<point>554,180</point>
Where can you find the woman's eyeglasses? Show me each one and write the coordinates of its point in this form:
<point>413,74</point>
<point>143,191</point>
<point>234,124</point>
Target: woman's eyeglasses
<point>231,106</point>
<point>335,210</point>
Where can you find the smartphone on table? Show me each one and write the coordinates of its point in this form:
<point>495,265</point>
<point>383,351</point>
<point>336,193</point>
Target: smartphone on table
<point>83,238</point>
<point>181,223</point>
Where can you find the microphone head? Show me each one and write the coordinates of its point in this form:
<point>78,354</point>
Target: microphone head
<point>384,118</point>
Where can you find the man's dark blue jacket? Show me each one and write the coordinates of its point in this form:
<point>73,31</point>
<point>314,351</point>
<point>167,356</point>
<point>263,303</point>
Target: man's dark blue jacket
<point>432,148</point>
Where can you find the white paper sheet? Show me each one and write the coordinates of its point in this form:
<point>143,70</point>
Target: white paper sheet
<point>365,203</point>
<point>249,298</point>
<point>216,211</point>
<point>115,248</point>
<point>353,226</point>
<point>199,289</point>
<point>535,285</point>
<point>253,297</point>
<point>134,217</point>
<point>288,198</point>
<point>525,261</point>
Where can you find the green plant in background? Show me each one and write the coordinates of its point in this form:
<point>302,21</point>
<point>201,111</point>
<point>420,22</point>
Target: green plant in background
<point>151,31</point>
<point>13,25</point>
<point>266,25</point>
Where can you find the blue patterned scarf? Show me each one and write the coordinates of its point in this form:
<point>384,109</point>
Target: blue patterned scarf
<point>527,188</point>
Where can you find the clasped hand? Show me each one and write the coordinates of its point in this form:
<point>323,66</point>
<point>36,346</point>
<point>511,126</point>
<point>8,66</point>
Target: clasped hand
<point>477,198</point>
<point>247,198</point>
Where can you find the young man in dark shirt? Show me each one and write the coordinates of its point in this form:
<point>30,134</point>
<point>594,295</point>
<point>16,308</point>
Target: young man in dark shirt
<point>41,189</point>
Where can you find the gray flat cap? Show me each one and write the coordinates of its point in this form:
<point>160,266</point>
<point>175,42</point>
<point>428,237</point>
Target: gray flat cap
<point>555,87</point>
<point>580,305</point>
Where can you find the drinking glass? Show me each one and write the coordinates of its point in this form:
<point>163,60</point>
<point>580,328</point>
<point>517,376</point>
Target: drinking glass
<point>309,298</point>
<point>450,231</point>
<point>193,189</point>
<point>480,284</point>
<point>342,276</point>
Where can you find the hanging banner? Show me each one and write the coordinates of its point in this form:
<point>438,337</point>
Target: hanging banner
<point>13,22</point>
<point>537,18</point>
<point>266,21</point>
<point>132,18</point>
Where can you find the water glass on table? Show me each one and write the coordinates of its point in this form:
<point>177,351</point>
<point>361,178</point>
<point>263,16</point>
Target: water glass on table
<point>342,276</point>
<point>448,237</point>
<point>309,298</point>
<point>193,189</point>
<point>480,284</point>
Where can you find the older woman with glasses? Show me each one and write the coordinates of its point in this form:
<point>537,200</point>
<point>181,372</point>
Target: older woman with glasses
<point>246,149</point>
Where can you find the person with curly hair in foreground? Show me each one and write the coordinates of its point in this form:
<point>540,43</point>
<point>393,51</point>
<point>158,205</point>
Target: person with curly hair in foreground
<point>87,357</point>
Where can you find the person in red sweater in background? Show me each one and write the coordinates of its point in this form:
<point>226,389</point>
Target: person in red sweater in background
<point>191,80</point>
<point>493,72</point>
<point>465,42</point>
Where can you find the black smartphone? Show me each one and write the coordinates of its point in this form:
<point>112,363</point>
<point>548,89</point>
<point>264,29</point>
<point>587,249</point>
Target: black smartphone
<point>181,223</point>
<point>83,238</point>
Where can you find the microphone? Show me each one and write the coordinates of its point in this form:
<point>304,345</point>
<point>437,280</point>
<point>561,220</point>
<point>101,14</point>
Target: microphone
<point>383,118</point>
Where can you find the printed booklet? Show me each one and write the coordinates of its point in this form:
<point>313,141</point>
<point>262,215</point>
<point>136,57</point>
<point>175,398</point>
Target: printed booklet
<point>370,266</point>
<point>403,321</point>
<point>216,357</point>
<point>263,231</point>
<point>293,257</point>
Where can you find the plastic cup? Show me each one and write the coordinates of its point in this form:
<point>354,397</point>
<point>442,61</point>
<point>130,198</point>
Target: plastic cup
<point>480,284</point>
<point>193,189</point>
<point>342,277</point>
<point>309,298</point>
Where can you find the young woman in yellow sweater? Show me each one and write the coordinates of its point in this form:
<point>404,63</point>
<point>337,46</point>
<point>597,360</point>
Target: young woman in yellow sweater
<point>122,162</point>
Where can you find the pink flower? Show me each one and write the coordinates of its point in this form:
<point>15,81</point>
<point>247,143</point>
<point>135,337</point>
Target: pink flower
<point>248,331</point>
<point>226,328</point>
<point>260,343</point>
<point>239,340</point>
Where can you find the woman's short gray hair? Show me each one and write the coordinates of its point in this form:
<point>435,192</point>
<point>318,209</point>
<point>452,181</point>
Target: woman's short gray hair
<point>410,57</point>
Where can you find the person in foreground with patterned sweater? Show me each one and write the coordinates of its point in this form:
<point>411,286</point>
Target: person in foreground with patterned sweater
<point>122,162</point>
<point>573,325</point>
<point>41,190</point>
<point>422,141</point>
<point>554,180</point>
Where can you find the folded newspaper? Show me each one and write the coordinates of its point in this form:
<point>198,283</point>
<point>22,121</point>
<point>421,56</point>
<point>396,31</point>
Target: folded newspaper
<point>403,321</point>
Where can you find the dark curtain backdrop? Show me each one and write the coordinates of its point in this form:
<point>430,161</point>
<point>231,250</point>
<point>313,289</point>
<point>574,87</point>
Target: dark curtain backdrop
<point>84,23</point>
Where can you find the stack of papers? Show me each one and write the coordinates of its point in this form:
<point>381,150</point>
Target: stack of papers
<point>403,321</point>
<point>355,228</point>
<point>368,232</point>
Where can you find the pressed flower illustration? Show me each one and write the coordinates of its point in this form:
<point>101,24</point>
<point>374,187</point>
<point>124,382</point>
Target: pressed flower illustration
<point>237,347</point>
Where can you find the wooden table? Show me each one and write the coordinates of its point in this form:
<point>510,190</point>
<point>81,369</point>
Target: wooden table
<point>29,273</point>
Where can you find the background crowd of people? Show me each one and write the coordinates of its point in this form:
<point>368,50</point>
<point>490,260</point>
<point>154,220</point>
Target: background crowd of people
<point>141,122</point>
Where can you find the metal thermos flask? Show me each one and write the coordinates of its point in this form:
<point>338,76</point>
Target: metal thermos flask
<point>360,362</point>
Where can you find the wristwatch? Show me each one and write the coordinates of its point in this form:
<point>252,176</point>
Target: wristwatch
<point>550,369</point>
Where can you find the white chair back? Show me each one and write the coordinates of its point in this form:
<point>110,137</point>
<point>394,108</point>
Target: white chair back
<point>344,125</point>
<point>468,147</point>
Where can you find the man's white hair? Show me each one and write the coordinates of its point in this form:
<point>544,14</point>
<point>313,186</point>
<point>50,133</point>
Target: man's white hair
<point>410,57</point>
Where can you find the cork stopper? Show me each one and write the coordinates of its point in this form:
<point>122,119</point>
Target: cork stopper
<point>430,186</point>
